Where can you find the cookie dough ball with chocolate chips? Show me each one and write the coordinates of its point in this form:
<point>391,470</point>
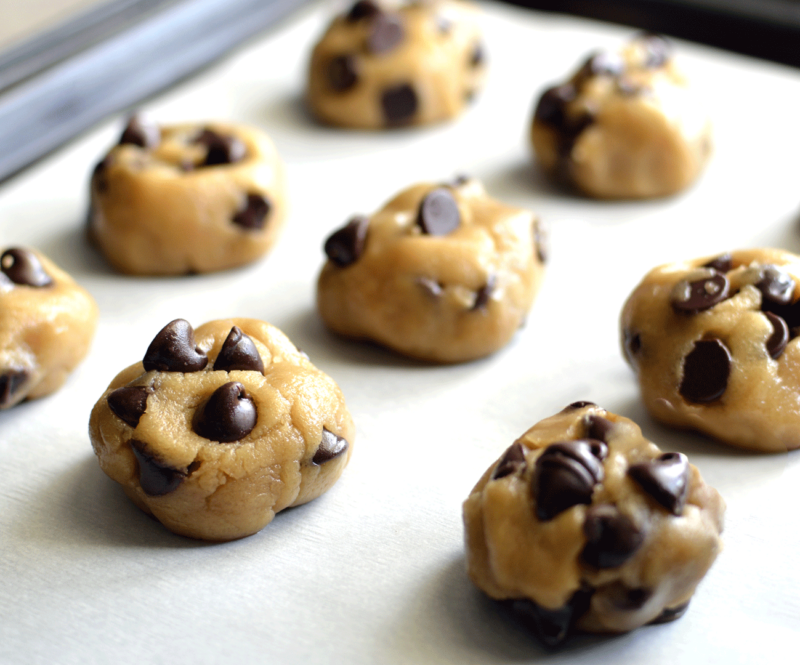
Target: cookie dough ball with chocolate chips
<point>441,273</point>
<point>388,64</point>
<point>47,323</point>
<point>187,198</point>
<point>713,342</point>
<point>626,125</point>
<point>585,525</point>
<point>219,428</point>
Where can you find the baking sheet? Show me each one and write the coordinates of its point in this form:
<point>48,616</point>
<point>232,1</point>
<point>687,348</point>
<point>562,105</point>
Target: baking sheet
<point>373,572</point>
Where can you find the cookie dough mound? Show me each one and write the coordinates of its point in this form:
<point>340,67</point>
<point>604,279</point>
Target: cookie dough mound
<point>218,429</point>
<point>47,323</point>
<point>187,198</point>
<point>583,524</point>
<point>714,344</point>
<point>383,64</point>
<point>624,126</point>
<point>441,273</point>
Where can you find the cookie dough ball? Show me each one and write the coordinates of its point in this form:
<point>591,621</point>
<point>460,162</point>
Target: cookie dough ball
<point>583,524</point>
<point>218,429</point>
<point>187,198</point>
<point>47,323</point>
<point>714,344</point>
<point>624,126</point>
<point>385,65</point>
<point>441,273</point>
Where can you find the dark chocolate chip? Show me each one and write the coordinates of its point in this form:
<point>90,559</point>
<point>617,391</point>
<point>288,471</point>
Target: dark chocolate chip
<point>553,626</point>
<point>99,179</point>
<point>222,149</point>
<point>346,245</point>
<point>671,613</point>
<point>666,479</point>
<point>539,241</point>
<point>438,213</point>
<point>700,294</point>
<point>580,405</point>
<point>342,72</point>
<point>399,104</point>
<point>363,9</point>
<point>551,109</point>
<point>173,350</point>
<point>789,313</point>
<point>229,414</point>
<point>705,371</point>
<point>253,214</point>
<point>631,344</point>
<point>611,537</point>
<point>658,50</point>
<point>722,263</point>
<point>385,33</point>
<point>11,381</point>
<point>431,286</point>
<point>598,428</point>
<point>483,294</point>
<point>478,55</point>
<point>23,267</point>
<point>331,446</point>
<point>140,132</point>
<point>626,598</point>
<point>776,286</point>
<point>780,336</point>
<point>129,403</point>
<point>155,478</point>
<point>238,352</point>
<point>512,461</point>
<point>602,63</point>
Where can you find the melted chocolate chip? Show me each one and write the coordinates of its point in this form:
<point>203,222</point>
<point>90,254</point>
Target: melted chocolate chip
<point>24,268</point>
<point>671,613</point>
<point>385,33</point>
<point>229,414</point>
<point>478,55</point>
<point>155,478</point>
<point>723,263</point>
<point>331,446</point>
<point>512,461</point>
<point>342,72</point>
<point>701,294</point>
<point>11,381</point>
<point>129,403</point>
<point>254,213</point>
<point>438,213</point>
<point>362,9</point>
<point>602,63</point>
<point>658,50</point>
<point>222,149</point>
<point>173,350</point>
<point>551,109</point>
<point>666,479</point>
<point>238,352</point>
<point>611,537</point>
<point>483,294</point>
<point>776,286</point>
<point>399,104</point>
<point>779,338</point>
<point>705,371</point>
<point>597,427</point>
<point>346,245</point>
<point>553,626</point>
<point>539,241</point>
<point>140,132</point>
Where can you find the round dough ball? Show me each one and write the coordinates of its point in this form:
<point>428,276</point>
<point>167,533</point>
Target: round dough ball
<point>387,65</point>
<point>713,343</point>
<point>47,323</point>
<point>625,126</point>
<point>583,524</point>
<point>187,198</point>
<point>441,273</point>
<point>218,429</point>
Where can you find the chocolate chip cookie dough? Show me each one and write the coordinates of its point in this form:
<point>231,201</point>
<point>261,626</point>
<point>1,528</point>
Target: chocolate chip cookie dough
<point>713,343</point>
<point>387,64</point>
<point>583,524</point>
<point>47,323</point>
<point>626,125</point>
<point>187,198</point>
<point>442,272</point>
<point>219,428</point>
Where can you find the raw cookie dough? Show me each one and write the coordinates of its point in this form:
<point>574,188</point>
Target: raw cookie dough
<point>441,273</point>
<point>583,524</point>
<point>383,64</point>
<point>47,323</point>
<point>713,342</point>
<point>626,125</point>
<point>187,198</point>
<point>219,428</point>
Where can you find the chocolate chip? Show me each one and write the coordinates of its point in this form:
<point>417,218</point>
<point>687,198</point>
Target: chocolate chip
<point>611,537</point>
<point>140,132</point>
<point>399,104</point>
<point>700,294</point>
<point>565,476</point>
<point>512,461</point>
<point>385,33</point>
<point>671,613</point>
<point>254,213</point>
<point>23,267</point>
<point>631,344</point>
<point>11,381</point>
<point>602,63</point>
<point>222,149</point>
<point>99,179</point>
<point>553,626</point>
<point>780,336</point>
<point>238,352</point>
<point>173,350</point>
<point>129,403</point>
<point>483,294</point>
<point>229,414</point>
<point>705,371</point>
<point>346,245</point>
<point>776,286</point>
<point>551,109</point>
<point>331,446</point>
<point>478,56</point>
<point>626,598</point>
<point>155,478</point>
<point>657,50</point>
<point>362,9</point>
<point>666,479</point>
<point>342,72</point>
<point>723,263</point>
<point>580,405</point>
<point>539,241</point>
<point>438,213</point>
<point>597,427</point>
